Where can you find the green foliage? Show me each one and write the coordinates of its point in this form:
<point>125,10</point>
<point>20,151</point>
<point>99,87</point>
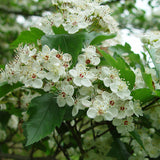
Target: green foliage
<point>120,49</point>
<point>152,54</point>
<point>148,80</point>
<point>6,88</point>
<point>125,72</point>
<point>99,38</point>
<point>4,117</point>
<point>119,150</point>
<point>28,37</point>
<point>142,94</point>
<point>137,137</point>
<point>45,115</point>
<point>59,30</point>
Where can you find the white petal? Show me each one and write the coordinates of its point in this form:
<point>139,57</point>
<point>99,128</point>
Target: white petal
<point>95,61</point>
<point>77,81</point>
<point>61,101</point>
<point>86,82</point>
<point>107,82</point>
<point>86,103</point>
<point>37,83</point>
<point>28,83</point>
<point>69,100</point>
<point>75,111</point>
<point>92,113</point>
<point>108,116</point>
<point>73,72</point>
<point>69,89</point>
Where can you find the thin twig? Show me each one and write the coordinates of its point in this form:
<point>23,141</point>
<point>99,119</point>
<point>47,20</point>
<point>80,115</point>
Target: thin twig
<point>61,148</point>
<point>149,105</point>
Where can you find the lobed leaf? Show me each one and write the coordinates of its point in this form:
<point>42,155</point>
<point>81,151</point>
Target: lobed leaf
<point>28,37</point>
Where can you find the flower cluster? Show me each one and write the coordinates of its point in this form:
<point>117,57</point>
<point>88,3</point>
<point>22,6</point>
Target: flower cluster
<point>99,89</point>
<point>76,15</point>
<point>78,86</point>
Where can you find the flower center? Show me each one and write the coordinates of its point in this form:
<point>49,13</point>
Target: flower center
<point>111,103</point>
<point>46,58</point>
<point>125,123</point>
<point>63,94</point>
<point>88,61</point>
<point>122,108</point>
<point>58,56</point>
<point>81,75</point>
<point>33,75</point>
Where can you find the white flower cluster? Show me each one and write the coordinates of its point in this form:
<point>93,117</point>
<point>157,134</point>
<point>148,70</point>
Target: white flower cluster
<point>151,144</point>
<point>153,40</point>
<point>3,135</point>
<point>74,15</point>
<point>13,122</point>
<point>77,87</point>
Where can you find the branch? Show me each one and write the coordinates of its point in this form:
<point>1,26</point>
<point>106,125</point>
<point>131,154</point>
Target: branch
<point>147,106</point>
<point>62,148</point>
<point>38,12</point>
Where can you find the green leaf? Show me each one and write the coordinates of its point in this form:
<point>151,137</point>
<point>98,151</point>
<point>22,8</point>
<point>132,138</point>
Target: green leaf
<point>59,30</point>
<point>119,150</point>
<point>142,94</point>
<point>28,37</point>
<point>108,59</point>
<point>148,80</point>
<point>135,61</point>
<point>6,88</point>
<point>98,39</point>
<point>2,66</point>
<point>4,117</point>
<point>137,137</point>
<point>157,92</point>
<point>120,49</point>
<point>152,54</point>
<point>45,115</point>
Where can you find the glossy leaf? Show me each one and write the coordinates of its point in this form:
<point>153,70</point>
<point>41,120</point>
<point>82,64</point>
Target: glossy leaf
<point>45,115</point>
<point>142,94</point>
<point>28,37</point>
<point>137,137</point>
<point>118,150</point>
<point>6,88</point>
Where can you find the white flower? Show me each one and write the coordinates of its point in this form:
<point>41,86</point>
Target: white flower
<point>81,77</point>
<point>2,135</point>
<point>101,107</point>
<point>124,125</point>
<point>80,104</point>
<point>89,56</point>
<point>120,88</point>
<point>65,96</point>
<point>13,122</point>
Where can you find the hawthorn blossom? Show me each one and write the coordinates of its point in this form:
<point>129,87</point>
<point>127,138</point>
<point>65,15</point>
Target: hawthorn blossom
<point>81,77</point>
<point>101,107</point>
<point>89,56</point>
<point>124,126</point>
<point>65,95</point>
